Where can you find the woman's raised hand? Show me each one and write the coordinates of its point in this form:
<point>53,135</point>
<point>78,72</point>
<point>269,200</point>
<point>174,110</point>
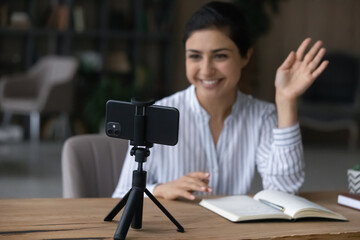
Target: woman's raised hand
<point>299,71</point>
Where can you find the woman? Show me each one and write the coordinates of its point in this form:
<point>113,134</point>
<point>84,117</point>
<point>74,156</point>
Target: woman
<point>224,134</point>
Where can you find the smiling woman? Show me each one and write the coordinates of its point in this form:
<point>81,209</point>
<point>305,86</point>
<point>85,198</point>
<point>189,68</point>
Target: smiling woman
<point>213,66</point>
<point>225,134</point>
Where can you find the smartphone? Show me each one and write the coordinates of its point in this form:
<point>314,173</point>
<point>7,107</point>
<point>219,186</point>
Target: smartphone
<point>161,123</point>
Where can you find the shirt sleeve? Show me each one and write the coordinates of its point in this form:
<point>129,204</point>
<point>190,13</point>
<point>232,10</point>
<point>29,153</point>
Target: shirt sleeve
<point>280,158</point>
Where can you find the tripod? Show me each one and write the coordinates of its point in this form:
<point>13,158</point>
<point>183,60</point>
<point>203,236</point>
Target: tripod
<point>135,196</point>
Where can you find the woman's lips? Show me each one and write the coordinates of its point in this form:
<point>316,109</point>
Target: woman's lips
<point>210,83</point>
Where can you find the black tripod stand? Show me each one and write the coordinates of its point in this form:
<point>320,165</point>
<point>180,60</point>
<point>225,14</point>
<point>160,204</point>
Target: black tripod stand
<point>135,196</point>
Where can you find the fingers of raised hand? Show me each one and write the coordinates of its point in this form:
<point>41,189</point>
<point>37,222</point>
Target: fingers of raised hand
<point>313,52</point>
<point>320,69</point>
<point>302,48</point>
<point>314,64</point>
<point>312,58</point>
<point>288,61</point>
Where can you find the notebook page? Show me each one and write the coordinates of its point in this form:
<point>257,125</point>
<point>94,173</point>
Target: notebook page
<point>239,205</point>
<point>291,203</point>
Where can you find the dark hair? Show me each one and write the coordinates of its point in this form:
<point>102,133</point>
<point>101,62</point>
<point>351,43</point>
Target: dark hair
<point>224,16</point>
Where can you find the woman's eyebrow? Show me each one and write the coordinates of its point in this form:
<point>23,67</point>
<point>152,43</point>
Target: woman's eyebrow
<point>193,50</point>
<point>214,51</point>
<point>221,49</point>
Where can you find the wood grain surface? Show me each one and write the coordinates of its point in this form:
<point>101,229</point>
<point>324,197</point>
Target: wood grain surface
<point>83,219</point>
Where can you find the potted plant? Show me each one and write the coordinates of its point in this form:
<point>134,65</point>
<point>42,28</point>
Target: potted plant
<point>354,179</point>
<point>108,88</point>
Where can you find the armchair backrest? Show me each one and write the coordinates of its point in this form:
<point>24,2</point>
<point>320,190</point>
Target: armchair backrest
<point>54,69</point>
<point>47,86</point>
<point>53,76</point>
<point>91,165</point>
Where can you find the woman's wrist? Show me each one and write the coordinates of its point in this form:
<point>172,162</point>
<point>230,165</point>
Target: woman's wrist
<point>287,110</point>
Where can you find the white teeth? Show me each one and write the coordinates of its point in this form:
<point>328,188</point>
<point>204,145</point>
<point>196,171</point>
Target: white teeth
<point>210,82</point>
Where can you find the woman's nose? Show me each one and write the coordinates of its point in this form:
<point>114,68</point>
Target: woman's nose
<point>207,68</point>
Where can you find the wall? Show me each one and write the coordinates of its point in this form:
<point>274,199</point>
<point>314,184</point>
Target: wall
<point>336,22</point>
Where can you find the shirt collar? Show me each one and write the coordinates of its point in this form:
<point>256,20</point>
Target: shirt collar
<point>200,111</point>
<point>195,105</point>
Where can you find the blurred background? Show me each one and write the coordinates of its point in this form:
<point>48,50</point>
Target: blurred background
<point>60,61</point>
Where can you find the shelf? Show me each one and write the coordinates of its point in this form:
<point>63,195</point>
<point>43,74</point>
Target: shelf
<point>13,31</point>
<point>133,36</point>
<point>88,33</point>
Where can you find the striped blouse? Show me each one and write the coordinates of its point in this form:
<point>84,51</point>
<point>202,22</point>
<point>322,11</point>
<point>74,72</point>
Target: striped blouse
<point>250,138</point>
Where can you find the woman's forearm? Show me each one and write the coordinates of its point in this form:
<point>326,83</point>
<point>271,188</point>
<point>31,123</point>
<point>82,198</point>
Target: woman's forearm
<point>287,111</point>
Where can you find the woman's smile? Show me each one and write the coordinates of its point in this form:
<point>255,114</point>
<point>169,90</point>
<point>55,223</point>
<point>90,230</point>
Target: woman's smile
<point>210,83</point>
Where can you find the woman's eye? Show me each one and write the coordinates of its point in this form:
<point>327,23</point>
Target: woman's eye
<point>194,56</point>
<point>220,56</point>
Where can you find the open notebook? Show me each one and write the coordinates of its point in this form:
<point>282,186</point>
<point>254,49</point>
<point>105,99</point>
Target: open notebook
<point>267,204</point>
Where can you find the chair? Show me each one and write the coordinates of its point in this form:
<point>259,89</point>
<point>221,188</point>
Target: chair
<point>46,87</point>
<point>333,101</point>
<point>91,165</point>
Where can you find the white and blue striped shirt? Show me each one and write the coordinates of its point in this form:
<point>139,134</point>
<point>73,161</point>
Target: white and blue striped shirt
<point>250,138</point>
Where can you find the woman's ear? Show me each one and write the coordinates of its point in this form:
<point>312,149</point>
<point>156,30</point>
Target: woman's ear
<point>248,56</point>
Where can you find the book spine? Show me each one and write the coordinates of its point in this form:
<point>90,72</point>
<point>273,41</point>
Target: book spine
<point>348,202</point>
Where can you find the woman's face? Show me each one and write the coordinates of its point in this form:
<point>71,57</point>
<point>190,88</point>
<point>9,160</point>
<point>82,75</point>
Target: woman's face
<point>213,64</point>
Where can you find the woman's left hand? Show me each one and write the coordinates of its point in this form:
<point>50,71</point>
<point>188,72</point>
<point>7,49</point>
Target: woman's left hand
<point>299,71</point>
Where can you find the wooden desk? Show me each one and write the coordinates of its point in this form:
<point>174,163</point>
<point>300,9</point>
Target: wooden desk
<point>83,219</point>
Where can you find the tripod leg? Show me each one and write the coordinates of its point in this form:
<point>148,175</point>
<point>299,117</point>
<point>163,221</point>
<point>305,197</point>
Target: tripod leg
<point>163,209</point>
<point>128,214</point>
<point>137,219</point>
<point>117,208</point>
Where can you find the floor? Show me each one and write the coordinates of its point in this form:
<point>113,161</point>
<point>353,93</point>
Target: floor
<point>27,173</point>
